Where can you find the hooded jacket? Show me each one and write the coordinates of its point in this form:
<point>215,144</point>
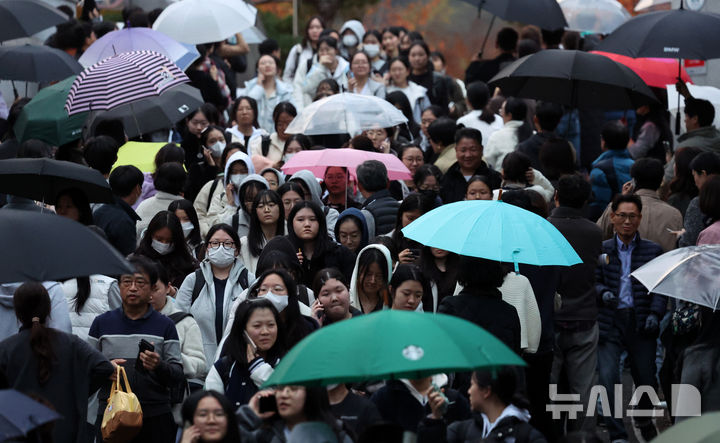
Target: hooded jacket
<point>243,221</point>
<point>203,309</point>
<point>280,176</point>
<point>331,215</point>
<point>318,73</point>
<point>266,105</point>
<point>354,300</point>
<point>191,344</point>
<point>367,223</point>
<point>219,209</point>
<point>59,315</point>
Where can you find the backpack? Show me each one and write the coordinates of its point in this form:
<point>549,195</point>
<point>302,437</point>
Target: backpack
<point>200,283</point>
<point>212,191</point>
<point>181,390</point>
<point>265,145</point>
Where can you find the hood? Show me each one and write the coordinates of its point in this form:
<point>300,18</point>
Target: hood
<point>311,183</point>
<point>354,302</point>
<point>7,290</point>
<point>250,178</point>
<point>280,175</point>
<point>357,214</point>
<point>510,411</point>
<point>238,156</point>
<point>356,27</point>
<point>612,153</point>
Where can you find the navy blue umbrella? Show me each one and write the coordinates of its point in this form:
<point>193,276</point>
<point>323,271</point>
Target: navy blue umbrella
<point>38,64</point>
<point>20,414</point>
<point>23,18</point>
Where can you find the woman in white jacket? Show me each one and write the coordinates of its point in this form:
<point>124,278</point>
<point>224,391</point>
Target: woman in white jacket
<point>268,90</point>
<point>209,292</point>
<point>327,63</point>
<point>397,80</point>
<point>515,130</point>
<point>302,52</point>
<point>88,297</point>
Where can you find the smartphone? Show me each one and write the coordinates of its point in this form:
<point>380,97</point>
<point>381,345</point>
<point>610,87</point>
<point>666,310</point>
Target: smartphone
<point>415,253</point>
<point>143,346</point>
<point>350,75</point>
<point>249,340</point>
<point>268,404</point>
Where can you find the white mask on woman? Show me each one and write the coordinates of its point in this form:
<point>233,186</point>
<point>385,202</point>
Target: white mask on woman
<point>217,148</point>
<point>221,256</point>
<point>187,228</point>
<point>279,301</point>
<point>371,50</point>
<point>237,179</point>
<point>350,40</point>
<point>162,248</point>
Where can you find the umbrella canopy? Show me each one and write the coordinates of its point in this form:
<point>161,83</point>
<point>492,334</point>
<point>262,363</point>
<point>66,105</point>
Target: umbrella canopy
<point>576,79</point>
<point>121,79</point>
<point>393,345</point>
<point>139,154</point>
<point>253,35</point>
<point>69,249</point>
<point>44,117</point>
<point>138,39</point>
<point>345,113</point>
<point>42,179</point>
<point>205,21</point>
<point>656,72</point>
<point>23,18</point>
<point>543,13</point>
<point>703,429</point>
<point>596,16</point>
<point>36,64</point>
<point>652,5</point>
<point>667,34</point>
<point>688,274</point>
<point>20,414</point>
<point>493,230</point>
<point>152,113</point>
<point>318,161</point>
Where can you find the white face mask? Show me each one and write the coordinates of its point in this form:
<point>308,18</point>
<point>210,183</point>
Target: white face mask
<point>286,158</point>
<point>331,387</point>
<point>217,148</point>
<point>162,248</point>
<point>221,256</point>
<point>371,50</point>
<point>187,228</point>
<point>237,179</point>
<point>279,301</point>
<point>349,40</point>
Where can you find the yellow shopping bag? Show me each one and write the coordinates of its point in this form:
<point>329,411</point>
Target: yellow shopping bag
<point>122,419</point>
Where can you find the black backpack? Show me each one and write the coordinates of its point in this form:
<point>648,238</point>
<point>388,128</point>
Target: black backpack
<point>200,283</point>
<point>181,390</point>
<point>265,145</point>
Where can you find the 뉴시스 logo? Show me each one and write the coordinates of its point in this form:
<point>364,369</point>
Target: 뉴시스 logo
<point>685,402</point>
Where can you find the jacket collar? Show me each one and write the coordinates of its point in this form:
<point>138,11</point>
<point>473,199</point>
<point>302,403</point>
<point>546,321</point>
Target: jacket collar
<point>649,193</point>
<point>566,212</point>
<point>127,208</point>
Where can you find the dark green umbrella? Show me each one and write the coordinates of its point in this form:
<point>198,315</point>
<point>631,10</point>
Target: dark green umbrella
<point>45,118</point>
<point>390,345</point>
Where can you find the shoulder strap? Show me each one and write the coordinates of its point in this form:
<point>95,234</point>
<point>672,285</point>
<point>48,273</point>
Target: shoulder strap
<point>212,191</point>
<point>177,317</point>
<point>303,295</point>
<point>243,278</point>
<point>199,283</point>
<point>608,167</point>
<point>236,220</point>
<point>265,145</point>
<point>308,64</point>
<point>326,211</point>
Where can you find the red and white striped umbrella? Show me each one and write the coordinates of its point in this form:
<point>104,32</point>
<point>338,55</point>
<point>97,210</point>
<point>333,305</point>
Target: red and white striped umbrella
<point>121,79</point>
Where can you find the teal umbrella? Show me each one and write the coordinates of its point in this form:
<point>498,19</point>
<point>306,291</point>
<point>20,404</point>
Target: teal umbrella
<point>45,118</point>
<point>493,230</point>
<point>390,345</point>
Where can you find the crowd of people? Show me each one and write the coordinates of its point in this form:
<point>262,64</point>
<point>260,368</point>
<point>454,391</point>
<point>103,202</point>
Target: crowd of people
<point>236,262</point>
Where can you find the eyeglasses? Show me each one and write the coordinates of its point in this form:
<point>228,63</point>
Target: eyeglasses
<point>226,243</point>
<point>624,216</point>
<point>126,282</point>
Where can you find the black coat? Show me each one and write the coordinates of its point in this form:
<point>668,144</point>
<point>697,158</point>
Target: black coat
<point>487,310</point>
<point>453,184</point>
<point>470,431</point>
<point>484,70</point>
<point>577,283</point>
<point>384,209</point>
<point>531,148</point>
<point>336,256</point>
<point>118,220</point>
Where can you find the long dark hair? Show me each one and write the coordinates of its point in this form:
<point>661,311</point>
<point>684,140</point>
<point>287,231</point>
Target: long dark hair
<point>413,202</point>
<point>179,261</point>
<point>303,139</point>
<point>295,326</point>
<point>366,258</point>
<point>683,181</point>
<point>322,241</point>
<point>191,404</point>
<point>445,281</point>
<point>255,237</point>
<point>253,105</point>
<point>306,40</point>
<point>185,205</point>
<point>412,272</point>
<point>412,130</point>
<point>236,344</point>
<point>32,307</point>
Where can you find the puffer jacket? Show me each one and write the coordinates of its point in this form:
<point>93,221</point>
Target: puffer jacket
<point>191,345</point>
<point>203,309</point>
<point>104,297</point>
<point>384,209</point>
<point>608,279</point>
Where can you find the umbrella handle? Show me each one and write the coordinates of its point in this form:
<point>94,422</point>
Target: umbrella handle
<point>515,262</point>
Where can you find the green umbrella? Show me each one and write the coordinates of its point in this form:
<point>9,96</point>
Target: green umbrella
<point>390,345</point>
<point>45,118</point>
<point>703,429</point>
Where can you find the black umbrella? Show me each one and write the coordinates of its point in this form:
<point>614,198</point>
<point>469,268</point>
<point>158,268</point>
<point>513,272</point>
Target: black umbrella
<point>576,79</point>
<point>154,113</point>
<point>679,34</point>
<point>543,13</point>
<point>23,18</point>
<point>36,64</point>
<point>48,247</point>
<point>42,179</point>
<point>20,414</point>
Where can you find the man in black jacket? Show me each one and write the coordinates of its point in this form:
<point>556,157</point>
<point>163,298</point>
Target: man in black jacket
<point>469,153</point>
<point>484,70</point>
<point>576,329</point>
<point>547,117</point>
<point>373,184</point>
<point>118,219</point>
<point>629,318</point>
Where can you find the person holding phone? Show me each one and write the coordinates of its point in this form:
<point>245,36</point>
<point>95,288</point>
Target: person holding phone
<point>209,417</point>
<point>250,353</point>
<point>333,298</point>
<point>412,207</point>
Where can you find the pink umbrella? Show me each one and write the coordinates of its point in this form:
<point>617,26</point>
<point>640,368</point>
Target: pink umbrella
<point>318,161</point>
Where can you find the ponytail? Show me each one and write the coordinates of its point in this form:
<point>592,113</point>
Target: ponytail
<point>487,115</point>
<point>32,308</point>
<point>83,293</point>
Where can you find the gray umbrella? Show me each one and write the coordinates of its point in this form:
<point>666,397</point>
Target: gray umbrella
<point>38,64</point>
<point>23,18</point>
<point>154,113</point>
